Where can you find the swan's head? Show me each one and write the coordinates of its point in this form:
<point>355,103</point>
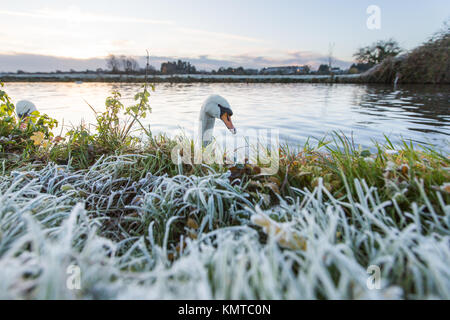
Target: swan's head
<point>225,116</point>
<point>218,107</point>
<point>24,108</point>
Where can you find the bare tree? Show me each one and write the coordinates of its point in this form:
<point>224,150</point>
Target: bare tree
<point>113,63</point>
<point>134,65</point>
<point>130,65</point>
<point>378,51</point>
<point>124,61</point>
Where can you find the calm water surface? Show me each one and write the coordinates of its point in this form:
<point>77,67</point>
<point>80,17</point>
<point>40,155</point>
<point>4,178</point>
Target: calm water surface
<point>297,111</point>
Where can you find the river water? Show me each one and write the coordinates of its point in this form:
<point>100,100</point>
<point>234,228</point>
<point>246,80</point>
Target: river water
<point>294,111</point>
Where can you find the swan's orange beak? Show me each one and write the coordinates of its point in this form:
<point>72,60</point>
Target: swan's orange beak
<point>227,120</point>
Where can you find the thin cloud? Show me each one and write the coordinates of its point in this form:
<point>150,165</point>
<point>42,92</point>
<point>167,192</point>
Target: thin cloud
<point>219,35</point>
<point>75,14</point>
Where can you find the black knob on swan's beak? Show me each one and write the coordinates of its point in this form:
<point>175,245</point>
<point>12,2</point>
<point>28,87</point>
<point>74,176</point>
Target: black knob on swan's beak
<point>225,116</point>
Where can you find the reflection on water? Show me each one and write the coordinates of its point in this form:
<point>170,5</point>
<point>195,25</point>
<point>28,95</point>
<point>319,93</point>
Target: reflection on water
<point>298,111</point>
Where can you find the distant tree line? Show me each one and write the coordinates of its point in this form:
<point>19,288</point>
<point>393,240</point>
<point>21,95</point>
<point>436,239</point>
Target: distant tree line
<point>125,64</point>
<point>365,57</point>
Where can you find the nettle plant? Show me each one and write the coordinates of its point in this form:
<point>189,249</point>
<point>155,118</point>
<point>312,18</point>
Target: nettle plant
<point>114,133</point>
<point>24,135</point>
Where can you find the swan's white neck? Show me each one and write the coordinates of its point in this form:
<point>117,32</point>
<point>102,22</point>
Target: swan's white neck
<point>206,129</point>
<point>208,114</point>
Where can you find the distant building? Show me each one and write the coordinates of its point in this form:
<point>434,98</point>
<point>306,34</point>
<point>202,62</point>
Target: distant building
<point>337,70</point>
<point>251,71</point>
<point>235,71</point>
<point>289,70</point>
<point>177,67</point>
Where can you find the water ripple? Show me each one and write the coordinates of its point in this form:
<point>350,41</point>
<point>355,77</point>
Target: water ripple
<point>419,113</point>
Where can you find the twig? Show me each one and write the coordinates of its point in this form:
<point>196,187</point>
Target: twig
<point>96,113</point>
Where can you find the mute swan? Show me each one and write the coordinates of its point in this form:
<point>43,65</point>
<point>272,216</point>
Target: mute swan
<point>24,108</point>
<point>215,107</point>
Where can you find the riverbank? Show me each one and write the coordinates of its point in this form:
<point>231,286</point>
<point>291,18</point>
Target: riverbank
<point>137,225</point>
<point>429,63</point>
<point>79,77</point>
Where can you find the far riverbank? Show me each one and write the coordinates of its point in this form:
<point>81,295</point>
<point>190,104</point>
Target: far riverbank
<point>182,78</point>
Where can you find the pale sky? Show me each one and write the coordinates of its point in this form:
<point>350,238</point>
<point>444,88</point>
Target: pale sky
<point>237,32</point>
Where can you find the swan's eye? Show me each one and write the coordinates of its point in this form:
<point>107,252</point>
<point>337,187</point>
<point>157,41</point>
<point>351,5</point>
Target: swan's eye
<point>225,110</point>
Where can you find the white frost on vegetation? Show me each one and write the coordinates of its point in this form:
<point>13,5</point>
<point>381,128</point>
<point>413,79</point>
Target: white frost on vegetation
<point>43,231</point>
